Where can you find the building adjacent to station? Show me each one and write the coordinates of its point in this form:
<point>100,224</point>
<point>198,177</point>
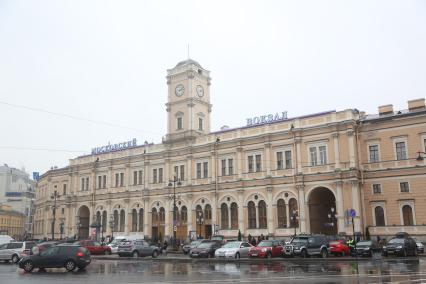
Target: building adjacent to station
<point>12,222</point>
<point>275,176</point>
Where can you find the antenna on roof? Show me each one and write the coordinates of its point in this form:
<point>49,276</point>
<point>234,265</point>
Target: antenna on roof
<point>188,50</point>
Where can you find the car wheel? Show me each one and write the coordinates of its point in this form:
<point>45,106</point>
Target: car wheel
<point>28,266</point>
<point>154,254</point>
<point>70,265</point>
<point>15,258</point>
<point>135,254</point>
<point>303,253</point>
<point>323,253</point>
<point>237,255</point>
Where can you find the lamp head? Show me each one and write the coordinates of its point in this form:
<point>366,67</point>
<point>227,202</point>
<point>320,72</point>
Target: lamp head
<point>179,183</point>
<point>419,157</point>
<point>170,184</point>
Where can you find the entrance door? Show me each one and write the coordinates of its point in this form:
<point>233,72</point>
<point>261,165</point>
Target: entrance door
<point>208,231</point>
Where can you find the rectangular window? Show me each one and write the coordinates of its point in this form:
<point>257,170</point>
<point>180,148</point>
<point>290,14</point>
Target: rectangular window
<point>135,177</point>
<point>63,211</point>
<point>401,153</point>
<point>200,124</point>
<point>205,169</point>
<point>154,176</point>
<point>288,163</point>
<point>87,184</point>
<point>182,172</point>
<point>424,143</point>
<point>313,155</point>
<point>99,181</point>
<point>140,177</point>
<point>230,167</point>
<point>250,164</point>
<point>104,181</point>
<point>258,163</point>
<point>117,179</point>
<point>176,171</point>
<point>323,155</point>
<point>65,189</point>
<point>179,123</point>
<point>160,175</point>
<point>198,170</point>
<point>280,160</point>
<point>121,179</point>
<point>374,153</point>
<point>404,186</point>
<point>82,184</point>
<point>377,189</point>
<point>223,164</point>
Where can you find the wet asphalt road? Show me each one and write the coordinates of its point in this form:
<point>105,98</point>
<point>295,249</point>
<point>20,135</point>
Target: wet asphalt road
<point>288,271</point>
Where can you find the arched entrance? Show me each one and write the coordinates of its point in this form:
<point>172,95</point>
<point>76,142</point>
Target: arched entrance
<point>158,223</point>
<point>322,203</point>
<point>83,222</point>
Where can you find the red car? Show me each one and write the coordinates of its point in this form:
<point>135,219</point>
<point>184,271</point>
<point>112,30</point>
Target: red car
<point>267,249</point>
<point>94,247</point>
<point>339,247</point>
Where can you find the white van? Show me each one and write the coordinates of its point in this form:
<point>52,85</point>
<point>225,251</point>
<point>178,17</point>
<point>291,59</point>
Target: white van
<point>118,239</point>
<point>4,239</point>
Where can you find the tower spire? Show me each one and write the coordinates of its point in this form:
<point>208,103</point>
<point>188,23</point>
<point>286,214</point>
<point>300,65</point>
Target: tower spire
<point>188,50</point>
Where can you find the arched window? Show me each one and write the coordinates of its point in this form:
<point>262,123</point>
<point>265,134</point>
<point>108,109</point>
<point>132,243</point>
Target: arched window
<point>98,217</point>
<point>282,214</point>
<point>134,220</point>
<point>292,206</point>
<point>224,216</point>
<point>141,220</point>
<point>379,215</point>
<point>234,216</point>
<point>199,211</point>
<point>116,220</point>
<point>122,220</point>
<point>154,216</point>
<point>208,212</point>
<point>251,215</point>
<point>162,215</point>
<point>104,221</point>
<point>184,214</point>
<point>262,215</point>
<point>407,215</point>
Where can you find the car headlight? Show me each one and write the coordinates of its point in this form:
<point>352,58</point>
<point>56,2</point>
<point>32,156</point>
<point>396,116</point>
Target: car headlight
<point>296,247</point>
<point>264,250</point>
<point>384,247</point>
<point>399,247</point>
<point>367,248</point>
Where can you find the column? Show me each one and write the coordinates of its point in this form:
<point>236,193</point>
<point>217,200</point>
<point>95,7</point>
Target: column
<point>257,216</point>
<point>146,175</point>
<point>267,158</point>
<point>166,171</point>
<point>356,205</point>
<point>168,224</point>
<point>128,218</point>
<point>298,142</point>
<point>340,214</point>
<point>127,176</point>
<point>146,220</point>
<point>241,211</point>
<point>336,150</point>
<point>229,217</point>
<point>270,217</point>
<point>189,170</point>
<point>240,162</point>
<point>189,207</point>
<point>287,210</point>
<point>214,212</point>
<point>302,205</point>
<point>109,214</point>
<point>351,143</point>
<point>111,179</point>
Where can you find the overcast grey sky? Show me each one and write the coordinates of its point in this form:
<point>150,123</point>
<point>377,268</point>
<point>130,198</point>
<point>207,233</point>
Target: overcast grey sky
<point>107,61</point>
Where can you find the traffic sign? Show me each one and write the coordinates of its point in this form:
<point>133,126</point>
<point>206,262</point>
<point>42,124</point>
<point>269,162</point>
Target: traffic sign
<point>352,213</point>
<point>174,228</point>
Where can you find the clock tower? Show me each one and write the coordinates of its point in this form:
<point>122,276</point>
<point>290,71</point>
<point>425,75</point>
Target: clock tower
<point>188,102</point>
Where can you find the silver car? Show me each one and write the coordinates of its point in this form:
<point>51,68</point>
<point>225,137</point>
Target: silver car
<point>233,250</point>
<point>137,248</point>
<point>14,251</point>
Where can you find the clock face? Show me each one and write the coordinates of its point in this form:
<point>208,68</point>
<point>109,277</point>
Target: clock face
<point>180,89</point>
<point>200,91</point>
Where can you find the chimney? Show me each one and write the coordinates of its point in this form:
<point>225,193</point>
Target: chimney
<point>386,109</point>
<point>417,104</point>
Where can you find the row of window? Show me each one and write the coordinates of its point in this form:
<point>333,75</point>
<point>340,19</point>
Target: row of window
<point>179,123</point>
<point>400,151</point>
<point>406,211</point>
<point>403,187</point>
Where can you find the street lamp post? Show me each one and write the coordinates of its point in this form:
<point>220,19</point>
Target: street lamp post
<point>200,221</point>
<point>332,216</point>
<point>293,218</point>
<point>78,226</point>
<point>54,196</point>
<point>173,183</point>
<point>61,227</point>
<point>111,225</point>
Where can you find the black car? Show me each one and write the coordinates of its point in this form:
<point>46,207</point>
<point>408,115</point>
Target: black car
<point>366,248</point>
<point>205,249</point>
<point>186,248</point>
<point>64,255</point>
<point>305,245</point>
<point>401,246</point>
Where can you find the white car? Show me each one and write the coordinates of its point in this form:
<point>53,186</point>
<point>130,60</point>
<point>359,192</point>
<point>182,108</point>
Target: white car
<point>233,250</point>
<point>14,251</point>
<point>117,240</point>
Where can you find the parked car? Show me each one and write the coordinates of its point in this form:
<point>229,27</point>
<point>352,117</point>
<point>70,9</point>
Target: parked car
<point>267,249</point>
<point>420,246</point>
<point>401,246</point>
<point>4,239</point>
<point>307,245</point>
<point>366,248</point>
<point>42,247</point>
<point>14,251</point>
<point>205,249</point>
<point>63,255</point>
<point>118,239</point>
<point>233,250</point>
<point>94,247</point>
<point>137,248</point>
<point>339,247</point>
<point>186,248</point>
<point>218,238</point>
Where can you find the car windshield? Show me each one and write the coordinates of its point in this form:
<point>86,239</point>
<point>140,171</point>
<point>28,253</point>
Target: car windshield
<point>300,240</point>
<point>364,243</point>
<point>396,241</point>
<point>265,244</point>
<point>116,241</point>
<point>126,243</point>
<point>204,245</point>
<point>232,245</point>
<point>195,243</point>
